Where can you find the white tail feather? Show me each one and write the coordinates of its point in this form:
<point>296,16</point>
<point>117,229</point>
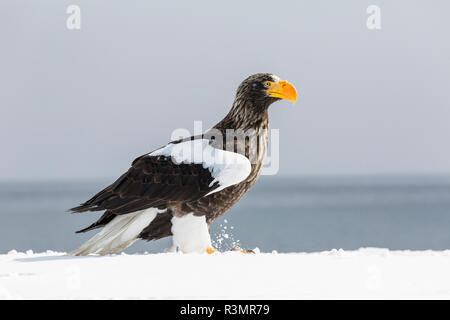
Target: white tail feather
<point>119,234</point>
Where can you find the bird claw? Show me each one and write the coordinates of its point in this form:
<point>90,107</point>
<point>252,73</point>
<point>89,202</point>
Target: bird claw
<point>210,250</point>
<point>243,251</point>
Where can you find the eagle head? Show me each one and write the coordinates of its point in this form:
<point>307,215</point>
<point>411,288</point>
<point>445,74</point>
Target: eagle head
<point>262,89</point>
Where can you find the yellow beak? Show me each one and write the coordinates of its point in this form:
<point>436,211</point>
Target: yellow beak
<point>283,90</point>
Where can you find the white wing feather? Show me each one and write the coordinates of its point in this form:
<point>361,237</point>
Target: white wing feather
<point>226,167</point>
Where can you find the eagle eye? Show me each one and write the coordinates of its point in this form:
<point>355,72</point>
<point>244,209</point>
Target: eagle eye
<point>267,84</point>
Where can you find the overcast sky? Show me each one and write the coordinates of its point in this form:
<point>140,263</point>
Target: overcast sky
<point>85,103</point>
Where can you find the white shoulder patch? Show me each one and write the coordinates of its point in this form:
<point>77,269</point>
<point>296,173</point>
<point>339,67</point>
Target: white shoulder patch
<point>226,167</point>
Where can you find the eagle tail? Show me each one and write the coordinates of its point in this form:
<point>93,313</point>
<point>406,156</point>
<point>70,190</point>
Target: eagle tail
<point>106,218</point>
<point>118,234</point>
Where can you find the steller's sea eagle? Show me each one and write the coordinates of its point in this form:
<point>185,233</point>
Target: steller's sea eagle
<point>179,189</point>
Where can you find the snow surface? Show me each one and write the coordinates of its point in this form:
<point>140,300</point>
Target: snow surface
<point>362,274</point>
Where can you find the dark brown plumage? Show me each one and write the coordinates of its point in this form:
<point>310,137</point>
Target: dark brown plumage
<point>178,189</point>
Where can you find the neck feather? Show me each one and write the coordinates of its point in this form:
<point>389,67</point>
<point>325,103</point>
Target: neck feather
<point>245,114</point>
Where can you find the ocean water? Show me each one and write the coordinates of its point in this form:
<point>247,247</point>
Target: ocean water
<point>286,214</point>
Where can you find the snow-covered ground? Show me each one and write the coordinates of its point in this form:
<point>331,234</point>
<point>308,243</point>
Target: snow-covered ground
<point>361,274</point>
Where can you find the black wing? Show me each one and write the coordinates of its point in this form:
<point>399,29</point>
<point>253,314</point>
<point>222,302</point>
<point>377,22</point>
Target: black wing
<point>152,181</point>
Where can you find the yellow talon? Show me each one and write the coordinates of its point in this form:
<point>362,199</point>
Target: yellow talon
<point>242,251</point>
<point>210,250</point>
